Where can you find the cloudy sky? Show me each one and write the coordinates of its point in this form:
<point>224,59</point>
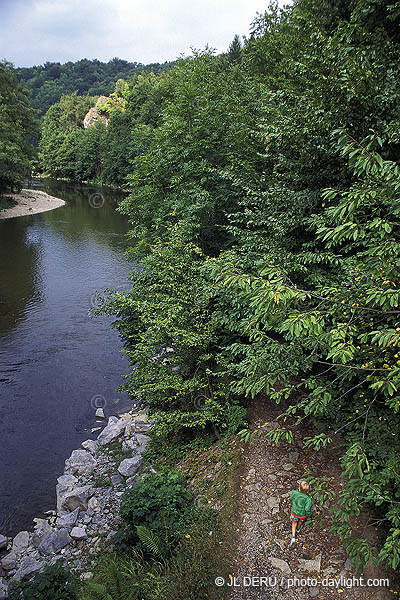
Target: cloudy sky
<point>35,31</point>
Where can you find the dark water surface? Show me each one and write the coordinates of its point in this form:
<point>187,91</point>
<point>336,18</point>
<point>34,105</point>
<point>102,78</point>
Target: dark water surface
<point>54,358</point>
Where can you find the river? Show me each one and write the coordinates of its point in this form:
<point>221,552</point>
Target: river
<point>56,363</point>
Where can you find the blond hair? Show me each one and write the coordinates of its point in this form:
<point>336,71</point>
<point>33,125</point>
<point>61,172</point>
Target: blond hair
<point>304,487</point>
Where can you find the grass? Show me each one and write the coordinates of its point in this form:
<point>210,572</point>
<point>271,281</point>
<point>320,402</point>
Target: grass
<point>6,202</point>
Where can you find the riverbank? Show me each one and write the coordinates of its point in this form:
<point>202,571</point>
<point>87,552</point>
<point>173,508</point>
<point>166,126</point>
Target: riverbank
<point>88,495</point>
<point>30,202</point>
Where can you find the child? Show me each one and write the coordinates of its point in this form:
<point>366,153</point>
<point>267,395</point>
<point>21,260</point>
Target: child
<point>301,508</point>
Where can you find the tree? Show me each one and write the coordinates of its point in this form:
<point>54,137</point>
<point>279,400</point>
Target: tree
<point>17,127</point>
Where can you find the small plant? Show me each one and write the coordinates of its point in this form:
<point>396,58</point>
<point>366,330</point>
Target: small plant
<point>53,583</point>
<point>101,481</point>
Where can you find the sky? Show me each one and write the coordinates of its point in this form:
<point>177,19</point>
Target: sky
<point>35,31</point>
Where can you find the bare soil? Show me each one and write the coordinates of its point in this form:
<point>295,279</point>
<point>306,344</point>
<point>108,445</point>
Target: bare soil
<point>30,202</point>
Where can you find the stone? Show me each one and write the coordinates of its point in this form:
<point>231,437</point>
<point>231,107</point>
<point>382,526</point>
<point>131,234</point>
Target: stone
<point>113,429</point>
<point>92,505</point>
<point>117,479</point>
<point>311,565</point>
<point>3,590</point>
<point>68,520</point>
<point>281,543</point>
<point>20,542</point>
<point>79,533</point>
<point>65,483</point>
<point>42,530</point>
<point>314,592</point>
<point>266,522</point>
<point>87,519</point>
<point>293,456</point>
<point>272,477</point>
<point>273,502</point>
<point>3,542</point>
<point>28,567</point>
<point>80,462</point>
<point>288,467</point>
<point>129,466</point>
<point>280,564</point>
<point>54,542</point>
<point>9,562</point>
<point>142,440</point>
<point>78,497</point>
<point>348,565</point>
<point>86,576</point>
<point>131,482</point>
<point>90,445</point>
<point>142,426</point>
<point>100,413</point>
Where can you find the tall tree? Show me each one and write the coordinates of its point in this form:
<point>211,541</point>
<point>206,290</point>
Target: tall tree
<point>17,127</point>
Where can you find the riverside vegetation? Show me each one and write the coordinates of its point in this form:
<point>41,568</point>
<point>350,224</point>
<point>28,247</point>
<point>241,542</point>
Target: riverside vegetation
<point>264,211</point>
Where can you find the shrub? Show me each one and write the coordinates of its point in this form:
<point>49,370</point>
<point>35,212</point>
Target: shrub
<point>53,583</point>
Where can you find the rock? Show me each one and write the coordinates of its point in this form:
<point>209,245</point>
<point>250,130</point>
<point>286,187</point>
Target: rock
<point>314,592</point>
<point>348,565</point>
<point>280,564</point>
<point>266,522</point>
<point>79,533</point>
<point>94,429</point>
<point>86,576</point>
<point>90,445</point>
<point>28,567</point>
<point>117,479</point>
<point>281,543</point>
<point>92,505</point>
<point>68,520</point>
<point>311,565</point>
<point>20,542</point>
<point>95,115</point>
<point>129,466</point>
<point>100,413</point>
<point>272,477</point>
<point>80,462</point>
<point>42,530</point>
<point>65,483</point>
<point>251,474</point>
<point>143,440</point>
<point>9,562</point>
<point>113,429</point>
<point>273,502</point>
<point>142,426</point>
<point>131,482</point>
<point>293,456</point>
<point>288,467</point>
<point>3,542</point>
<point>3,590</point>
<point>54,542</point>
<point>78,497</point>
<point>87,519</point>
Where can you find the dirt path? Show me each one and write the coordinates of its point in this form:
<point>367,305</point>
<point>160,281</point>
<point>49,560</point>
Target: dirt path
<point>270,474</point>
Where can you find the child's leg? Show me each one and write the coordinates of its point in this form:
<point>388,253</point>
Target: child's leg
<point>294,525</point>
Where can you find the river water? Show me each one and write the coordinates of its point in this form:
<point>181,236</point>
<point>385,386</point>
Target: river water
<point>56,363</point>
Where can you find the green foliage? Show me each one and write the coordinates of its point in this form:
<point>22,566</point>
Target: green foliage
<point>53,583</point>
<point>156,512</point>
<point>17,128</point>
<point>48,82</point>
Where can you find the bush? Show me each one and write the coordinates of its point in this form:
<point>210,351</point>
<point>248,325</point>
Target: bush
<point>53,583</point>
<point>162,503</point>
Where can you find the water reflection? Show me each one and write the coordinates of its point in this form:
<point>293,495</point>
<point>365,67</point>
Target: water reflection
<point>53,357</point>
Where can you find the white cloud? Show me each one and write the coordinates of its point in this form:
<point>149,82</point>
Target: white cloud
<point>35,31</point>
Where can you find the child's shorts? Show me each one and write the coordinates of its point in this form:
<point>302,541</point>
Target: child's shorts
<point>297,519</point>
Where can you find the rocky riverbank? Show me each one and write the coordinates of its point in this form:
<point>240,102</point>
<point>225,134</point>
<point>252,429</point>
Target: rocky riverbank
<point>88,497</point>
<point>30,202</point>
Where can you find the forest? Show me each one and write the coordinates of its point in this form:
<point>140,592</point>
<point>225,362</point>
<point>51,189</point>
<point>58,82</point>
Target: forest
<point>264,203</point>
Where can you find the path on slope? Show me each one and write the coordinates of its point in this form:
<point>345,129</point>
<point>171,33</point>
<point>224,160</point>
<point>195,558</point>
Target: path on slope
<point>269,475</point>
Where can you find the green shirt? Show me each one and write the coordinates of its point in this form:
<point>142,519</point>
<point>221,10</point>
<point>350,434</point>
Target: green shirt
<point>301,504</point>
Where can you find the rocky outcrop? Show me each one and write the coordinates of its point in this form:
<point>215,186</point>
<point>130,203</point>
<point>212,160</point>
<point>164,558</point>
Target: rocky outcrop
<point>94,115</point>
<point>87,512</point>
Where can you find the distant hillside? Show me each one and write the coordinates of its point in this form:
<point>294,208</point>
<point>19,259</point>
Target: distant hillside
<point>48,82</point>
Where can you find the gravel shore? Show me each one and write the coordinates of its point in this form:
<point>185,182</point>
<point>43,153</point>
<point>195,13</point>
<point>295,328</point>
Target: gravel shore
<point>30,202</point>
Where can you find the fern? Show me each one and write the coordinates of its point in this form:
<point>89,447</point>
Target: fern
<point>149,540</point>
